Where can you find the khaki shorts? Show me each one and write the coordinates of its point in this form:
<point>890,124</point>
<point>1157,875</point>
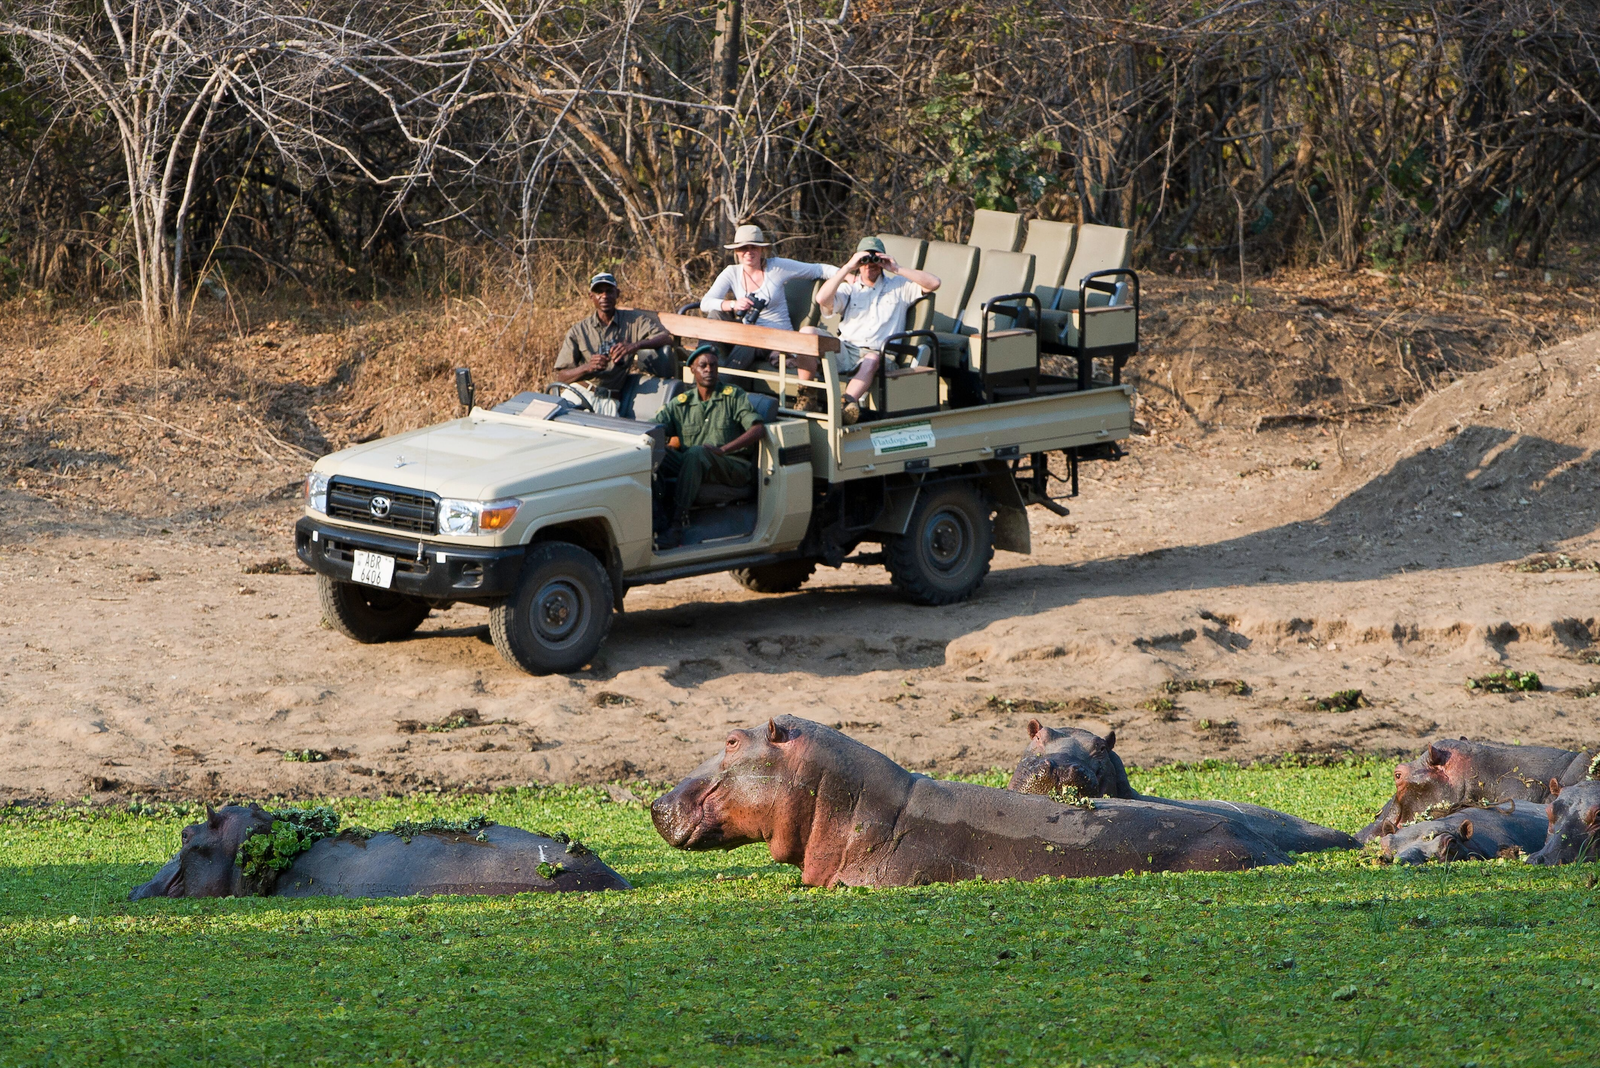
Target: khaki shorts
<point>850,354</point>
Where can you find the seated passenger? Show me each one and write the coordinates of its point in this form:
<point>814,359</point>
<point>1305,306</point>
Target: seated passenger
<point>598,352</point>
<point>710,433</point>
<point>754,283</point>
<point>871,309</point>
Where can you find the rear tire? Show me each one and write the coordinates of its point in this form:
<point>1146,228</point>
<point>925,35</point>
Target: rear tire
<point>946,549</point>
<point>559,614</point>
<point>367,614</point>
<point>785,577</point>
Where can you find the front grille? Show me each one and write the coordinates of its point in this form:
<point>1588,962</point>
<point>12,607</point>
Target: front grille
<point>417,513</point>
<point>345,553</point>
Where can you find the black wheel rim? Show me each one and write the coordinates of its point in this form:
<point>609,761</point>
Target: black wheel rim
<point>559,612</point>
<point>947,540</point>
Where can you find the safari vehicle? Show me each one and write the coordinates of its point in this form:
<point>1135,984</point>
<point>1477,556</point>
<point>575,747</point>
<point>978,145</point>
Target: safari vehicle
<point>541,510</point>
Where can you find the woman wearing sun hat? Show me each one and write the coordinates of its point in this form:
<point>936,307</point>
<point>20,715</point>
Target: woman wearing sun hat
<point>754,276</point>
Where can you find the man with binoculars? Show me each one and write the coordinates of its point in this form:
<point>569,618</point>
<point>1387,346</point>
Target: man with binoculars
<point>871,309</point>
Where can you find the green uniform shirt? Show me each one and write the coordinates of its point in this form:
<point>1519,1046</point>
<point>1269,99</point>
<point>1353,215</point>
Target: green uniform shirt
<point>715,421</point>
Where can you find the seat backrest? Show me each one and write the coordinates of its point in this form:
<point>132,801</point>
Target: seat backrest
<point>1100,248</point>
<point>995,229</point>
<point>800,295</point>
<point>1000,273</point>
<point>955,266</point>
<point>765,405</point>
<point>907,251</point>
<point>1051,246</point>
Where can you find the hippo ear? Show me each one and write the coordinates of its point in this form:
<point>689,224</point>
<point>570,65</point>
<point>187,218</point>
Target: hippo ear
<point>1465,833</point>
<point>1111,740</point>
<point>1436,756</point>
<point>1591,818</point>
<point>1555,787</point>
<point>1034,727</point>
<point>777,735</point>
<point>212,819</point>
<point>1387,828</point>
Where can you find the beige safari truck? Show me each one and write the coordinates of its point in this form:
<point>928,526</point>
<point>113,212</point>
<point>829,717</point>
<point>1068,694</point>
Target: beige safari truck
<point>541,510</point>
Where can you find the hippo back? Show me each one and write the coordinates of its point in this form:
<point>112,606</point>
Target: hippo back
<point>950,831</point>
<point>499,860</point>
<point>1289,833</point>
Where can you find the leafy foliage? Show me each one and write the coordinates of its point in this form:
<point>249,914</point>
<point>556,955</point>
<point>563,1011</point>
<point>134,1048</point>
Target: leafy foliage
<point>264,854</point>
<point>1340,701</point>
<point>1506,681</point>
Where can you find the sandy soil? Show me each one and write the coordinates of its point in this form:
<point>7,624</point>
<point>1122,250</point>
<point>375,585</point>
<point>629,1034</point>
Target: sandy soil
<point>150,654</point>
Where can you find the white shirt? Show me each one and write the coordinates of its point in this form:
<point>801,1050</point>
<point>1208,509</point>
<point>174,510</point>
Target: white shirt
<point>869,315</point>
<point>730,283</point>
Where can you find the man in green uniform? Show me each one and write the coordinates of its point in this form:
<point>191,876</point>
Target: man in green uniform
<point>711,434</point>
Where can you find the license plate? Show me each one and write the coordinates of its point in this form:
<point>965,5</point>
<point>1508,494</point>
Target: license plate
<point>373,569</point>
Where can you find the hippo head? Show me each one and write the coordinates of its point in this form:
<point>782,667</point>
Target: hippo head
<point>1068,759</point>
<point>1574,825</point>
<point>802,788</point>
<point>204,866</point>
<point>1446,843</point>
<point>729,800</point>
<point>1436,777</point>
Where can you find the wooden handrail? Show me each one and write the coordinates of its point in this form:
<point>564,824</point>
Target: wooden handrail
<point>757,337</point>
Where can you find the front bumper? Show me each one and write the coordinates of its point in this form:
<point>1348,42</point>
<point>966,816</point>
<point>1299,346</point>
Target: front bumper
<point>421,569</point>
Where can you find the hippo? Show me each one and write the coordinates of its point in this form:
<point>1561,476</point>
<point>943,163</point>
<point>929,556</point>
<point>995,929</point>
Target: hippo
<point>494,860</point>
<point>847,815</point>
<point>1573,830</point>
<point>1453,772</point>
<point>1081,761</point>
<point>1468,834</point>
<point>1071,759</point>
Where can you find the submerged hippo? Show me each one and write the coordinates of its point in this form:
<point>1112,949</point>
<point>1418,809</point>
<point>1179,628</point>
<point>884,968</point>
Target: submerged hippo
<point>1061,759</point>
<point>495,860</point>
<point>1070,759</point>
<point>1573,830</point>
<point>1468,834</point>
<point>1454,772</point>
<point>845,814</point>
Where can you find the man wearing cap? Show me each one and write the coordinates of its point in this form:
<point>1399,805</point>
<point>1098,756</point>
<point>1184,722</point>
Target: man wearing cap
<point>598,351</point>
<point>871,309</point>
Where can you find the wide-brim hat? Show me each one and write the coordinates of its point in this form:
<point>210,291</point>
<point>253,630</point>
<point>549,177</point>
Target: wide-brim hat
<point>748,235</point>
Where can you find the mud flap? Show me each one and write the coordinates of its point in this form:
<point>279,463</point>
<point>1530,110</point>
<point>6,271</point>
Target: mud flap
<point>1011,531</point>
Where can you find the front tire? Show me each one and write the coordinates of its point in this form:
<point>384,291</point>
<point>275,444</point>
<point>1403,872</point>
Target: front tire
<point>559,614</point>
<point>785,577</point>
<point>946,549</point>
<point>367,614</point>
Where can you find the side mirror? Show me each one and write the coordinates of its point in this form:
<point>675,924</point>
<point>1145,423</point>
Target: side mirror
<point>464,387</point>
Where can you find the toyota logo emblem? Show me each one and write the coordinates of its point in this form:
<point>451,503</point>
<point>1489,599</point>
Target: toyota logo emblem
<point>380,506</point>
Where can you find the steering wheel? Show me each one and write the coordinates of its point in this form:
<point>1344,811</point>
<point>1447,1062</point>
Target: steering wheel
<point>574,397</point>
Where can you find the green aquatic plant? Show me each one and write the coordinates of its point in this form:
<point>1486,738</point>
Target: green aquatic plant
<point>474,825</point>
<point>263,854</point>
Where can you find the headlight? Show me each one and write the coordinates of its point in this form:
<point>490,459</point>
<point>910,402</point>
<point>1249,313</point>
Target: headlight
<point>475,517</point>
<point>317,492</point>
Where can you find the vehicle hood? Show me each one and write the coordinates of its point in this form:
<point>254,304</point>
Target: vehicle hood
<point>478,458</point>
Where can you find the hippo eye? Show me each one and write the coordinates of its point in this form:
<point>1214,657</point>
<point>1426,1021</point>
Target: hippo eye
<point>733,741</point>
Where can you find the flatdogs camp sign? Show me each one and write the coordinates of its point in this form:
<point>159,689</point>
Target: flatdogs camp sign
<point>902,438</point>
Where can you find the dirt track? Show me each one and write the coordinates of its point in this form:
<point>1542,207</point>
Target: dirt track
<point>136,657</point>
